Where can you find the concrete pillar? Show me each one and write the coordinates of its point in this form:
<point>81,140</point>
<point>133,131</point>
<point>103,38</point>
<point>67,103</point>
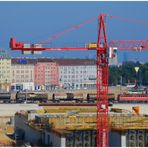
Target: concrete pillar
<point>63,142</point>
<point>123,140</point>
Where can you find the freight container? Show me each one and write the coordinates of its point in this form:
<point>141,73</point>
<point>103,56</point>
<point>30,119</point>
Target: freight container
<point>5,97</point>
<point>58,97</point>
<point>78,97</point>
<point>91,97</point>
<point>135,98</point>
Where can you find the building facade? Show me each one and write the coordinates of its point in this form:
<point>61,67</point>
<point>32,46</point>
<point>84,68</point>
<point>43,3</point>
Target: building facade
<point>5,71</point>
<point>46,74</point>
<point>23,74</point>
<point>77,73</point>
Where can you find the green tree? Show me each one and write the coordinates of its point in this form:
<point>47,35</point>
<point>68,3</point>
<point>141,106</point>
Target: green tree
<point>126,71</point>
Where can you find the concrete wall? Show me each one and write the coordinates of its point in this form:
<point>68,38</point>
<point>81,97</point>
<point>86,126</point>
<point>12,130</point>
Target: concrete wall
<point>53,139</point>
<point>31,135</point>
<point>84,138</point>
<point>137,138</point>
<point>114,139</point>
<point>87,138</point>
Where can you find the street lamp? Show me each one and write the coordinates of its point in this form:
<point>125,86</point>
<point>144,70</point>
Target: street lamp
<point>136,69</point>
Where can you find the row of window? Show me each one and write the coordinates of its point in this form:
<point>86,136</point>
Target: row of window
<point>1,60</point>
<point>5,71</point>
<point>43,67</point>
<point>5,75</point>
<point>73,80</point>
<point>5,67</point>
<point>23,80</point>
<point>23,76</point>
<point>78,67</point>
<point>22,71</point>
<point>73,72</point>
<point>23,66</point>
<point>51,71</point>
<point>6,79</point>
<point>76,76</point>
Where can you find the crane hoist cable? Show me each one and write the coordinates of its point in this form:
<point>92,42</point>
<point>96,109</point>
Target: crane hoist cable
<point>89,21</point>
<point>129,19</point>
<point>68,30</point>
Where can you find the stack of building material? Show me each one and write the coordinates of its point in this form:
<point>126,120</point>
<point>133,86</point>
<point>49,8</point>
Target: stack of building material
<point>5,140</point>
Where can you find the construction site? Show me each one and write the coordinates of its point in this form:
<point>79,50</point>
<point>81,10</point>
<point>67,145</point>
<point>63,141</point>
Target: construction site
<point>74,125</point>
<point>98,115</point>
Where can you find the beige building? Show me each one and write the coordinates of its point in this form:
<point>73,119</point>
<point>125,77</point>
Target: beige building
<point>5,71</point>
<point>77,73</point>
<point>22,74</point>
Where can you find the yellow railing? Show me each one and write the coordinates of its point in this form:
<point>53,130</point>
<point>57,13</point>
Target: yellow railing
<point>87,120</point>
<point>127,121</point>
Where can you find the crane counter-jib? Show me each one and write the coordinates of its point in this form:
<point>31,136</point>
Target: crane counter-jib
<point>14,45</point>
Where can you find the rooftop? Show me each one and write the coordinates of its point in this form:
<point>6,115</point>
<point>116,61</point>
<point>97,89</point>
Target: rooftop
<point>63,62</point>
<point>74,62</point>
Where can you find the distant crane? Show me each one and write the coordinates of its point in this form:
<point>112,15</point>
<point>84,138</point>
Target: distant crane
<point>104,51</point>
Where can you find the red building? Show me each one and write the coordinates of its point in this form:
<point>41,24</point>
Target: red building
<point>46,74</point>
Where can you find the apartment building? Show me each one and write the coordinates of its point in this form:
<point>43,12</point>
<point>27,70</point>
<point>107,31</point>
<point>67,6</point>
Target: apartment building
<point>77,73</point>
<point>22,74</point>
<point>46,74</point>
<point>5,71</point>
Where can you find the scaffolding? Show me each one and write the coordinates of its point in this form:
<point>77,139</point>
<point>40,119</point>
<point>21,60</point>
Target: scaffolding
<point>123,122</point>
<point>83,119</point>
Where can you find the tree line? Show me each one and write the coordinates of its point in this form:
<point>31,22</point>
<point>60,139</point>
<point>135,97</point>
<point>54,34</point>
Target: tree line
<point>122,74</point>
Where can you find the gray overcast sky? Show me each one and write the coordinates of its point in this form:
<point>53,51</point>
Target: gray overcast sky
<point>36,21</point>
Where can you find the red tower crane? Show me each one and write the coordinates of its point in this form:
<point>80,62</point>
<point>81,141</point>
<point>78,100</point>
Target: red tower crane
<point>102,50</point>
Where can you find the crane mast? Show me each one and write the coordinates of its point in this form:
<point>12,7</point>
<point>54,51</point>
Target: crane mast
<point>102,85</point>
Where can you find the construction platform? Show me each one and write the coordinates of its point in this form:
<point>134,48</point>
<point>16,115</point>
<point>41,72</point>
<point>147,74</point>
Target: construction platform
<point>79,117</point>
<point>72,120</point>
